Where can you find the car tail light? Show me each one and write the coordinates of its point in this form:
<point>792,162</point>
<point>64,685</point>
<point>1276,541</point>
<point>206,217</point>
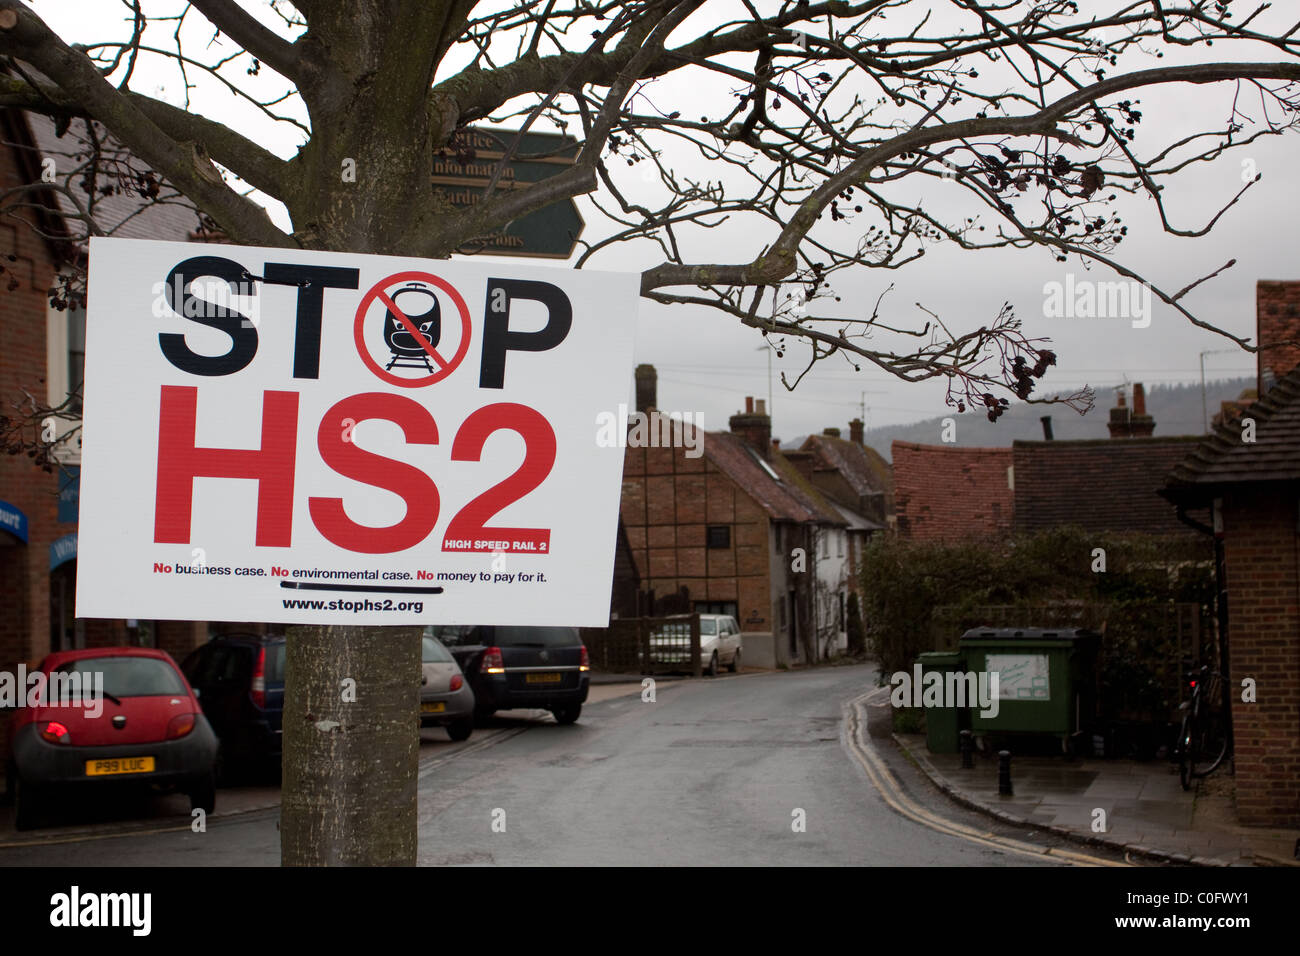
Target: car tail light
<point>456,681</point>
<point>584,662</point>
<point>56,733</point>
<point>493,662</point>
<point>259,679</point>
<point>179,726</point>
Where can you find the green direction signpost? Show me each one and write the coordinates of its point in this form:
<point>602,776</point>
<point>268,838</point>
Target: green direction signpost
<point>462,171</point>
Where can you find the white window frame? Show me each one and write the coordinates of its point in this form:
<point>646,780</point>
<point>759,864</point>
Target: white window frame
<point>56,379</point>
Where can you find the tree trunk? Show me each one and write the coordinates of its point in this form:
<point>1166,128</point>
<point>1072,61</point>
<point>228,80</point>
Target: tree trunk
<point>351,746</point>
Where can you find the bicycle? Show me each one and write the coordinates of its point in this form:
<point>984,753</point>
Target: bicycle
<point>1203,736</point>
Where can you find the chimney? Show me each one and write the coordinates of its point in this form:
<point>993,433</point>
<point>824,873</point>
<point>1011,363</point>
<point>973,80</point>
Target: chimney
<point>1119,424</point>
<point>1277,319</point>
<point>1047,427</point>
<point>855,431</point>
<point>831,432</point>
<point>647,384</point>
<point>1141,424</point>
<point>754,426</point>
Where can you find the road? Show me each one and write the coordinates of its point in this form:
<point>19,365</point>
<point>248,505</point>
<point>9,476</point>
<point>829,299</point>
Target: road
<point>755,769</point>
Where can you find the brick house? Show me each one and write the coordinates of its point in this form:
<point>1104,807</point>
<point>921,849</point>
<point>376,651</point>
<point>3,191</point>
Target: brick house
<point>1254,490</point>
<point>32,247</point>
<point>950,493</point>
<point>717,533</point>
<point>42,354</point>
<point>851,473</point>
<point>857,482</point>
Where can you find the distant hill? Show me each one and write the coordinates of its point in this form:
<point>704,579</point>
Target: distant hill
<point>1175,408</point>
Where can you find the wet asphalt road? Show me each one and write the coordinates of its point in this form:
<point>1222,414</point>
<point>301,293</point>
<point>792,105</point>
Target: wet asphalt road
<point>713,772</point>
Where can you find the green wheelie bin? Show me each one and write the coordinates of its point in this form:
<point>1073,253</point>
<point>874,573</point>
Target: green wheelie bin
<point>1046,678</point>
<point>944,724</point>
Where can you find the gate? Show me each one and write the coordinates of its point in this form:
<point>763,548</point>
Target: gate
<point>646,645</point>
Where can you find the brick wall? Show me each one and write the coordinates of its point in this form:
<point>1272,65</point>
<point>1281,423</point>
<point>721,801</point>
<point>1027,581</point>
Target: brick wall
<point>1277,314</point>
<point>1263,578</point>
<point>950,493</point>
<point>668,502</point>
<point>24,568</point>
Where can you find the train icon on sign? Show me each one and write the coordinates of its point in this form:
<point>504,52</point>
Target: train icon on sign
<point>399,330</point>
<point>419,305</point>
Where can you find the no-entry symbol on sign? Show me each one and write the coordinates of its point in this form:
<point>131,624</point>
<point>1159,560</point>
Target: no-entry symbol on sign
<point>416,333</point>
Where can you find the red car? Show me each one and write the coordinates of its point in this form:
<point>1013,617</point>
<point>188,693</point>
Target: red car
<point>108,717</point>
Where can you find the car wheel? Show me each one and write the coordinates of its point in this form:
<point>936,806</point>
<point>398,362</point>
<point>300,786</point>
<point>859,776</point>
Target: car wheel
<point>567,714</point>
<point>735,663</point>
<point>203,794</point>
<point>461,729</point>
<point>28,811</point>
<point>713,665</point>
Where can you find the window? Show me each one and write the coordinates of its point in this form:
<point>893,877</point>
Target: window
<point>129,676</point>
<point>434,653</point>
<point>826,543</point>
<point>716,607</point>
<point>65,362</point>
<point>763,464</point>
<point>76,352</point>
<point>719,536</point>
<point>839,544</point>
<point>273,666</point>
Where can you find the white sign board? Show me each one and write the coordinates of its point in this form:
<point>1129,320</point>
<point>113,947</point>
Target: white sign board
<point>329,438</point>
<point>1020,676</point>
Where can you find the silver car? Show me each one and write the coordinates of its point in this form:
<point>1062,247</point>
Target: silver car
<point>445,696</point>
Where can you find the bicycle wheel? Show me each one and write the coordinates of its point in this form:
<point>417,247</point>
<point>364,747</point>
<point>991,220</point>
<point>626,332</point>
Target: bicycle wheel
<point>1185,751</point>
<point>1210,745</point>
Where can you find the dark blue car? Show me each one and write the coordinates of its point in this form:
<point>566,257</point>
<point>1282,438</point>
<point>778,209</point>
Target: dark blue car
<point>521,667</point>
<point>240,682</point>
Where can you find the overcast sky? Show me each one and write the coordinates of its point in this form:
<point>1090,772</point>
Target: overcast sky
<point>707,364</point>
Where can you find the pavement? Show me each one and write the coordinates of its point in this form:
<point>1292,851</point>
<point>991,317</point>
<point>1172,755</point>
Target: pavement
<point>1146,811</point>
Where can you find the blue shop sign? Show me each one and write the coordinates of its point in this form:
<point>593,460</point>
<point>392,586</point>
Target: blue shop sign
<point>13,520</point>
<point>63,550</point>
<point>69,494</point>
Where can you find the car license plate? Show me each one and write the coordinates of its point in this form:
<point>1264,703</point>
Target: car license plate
<point>437,708</point>
<point>543,678</point>
<point>117,765</point>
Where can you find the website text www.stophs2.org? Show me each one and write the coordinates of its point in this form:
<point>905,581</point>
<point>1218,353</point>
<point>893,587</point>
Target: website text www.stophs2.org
<point>388,604</point>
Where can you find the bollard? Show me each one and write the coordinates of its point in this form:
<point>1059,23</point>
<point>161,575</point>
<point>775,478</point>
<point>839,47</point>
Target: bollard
<point>1004,773</point>
<point>967,748</point>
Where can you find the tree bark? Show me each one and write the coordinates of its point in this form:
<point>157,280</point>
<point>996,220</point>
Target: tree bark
<point>350,765</point>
